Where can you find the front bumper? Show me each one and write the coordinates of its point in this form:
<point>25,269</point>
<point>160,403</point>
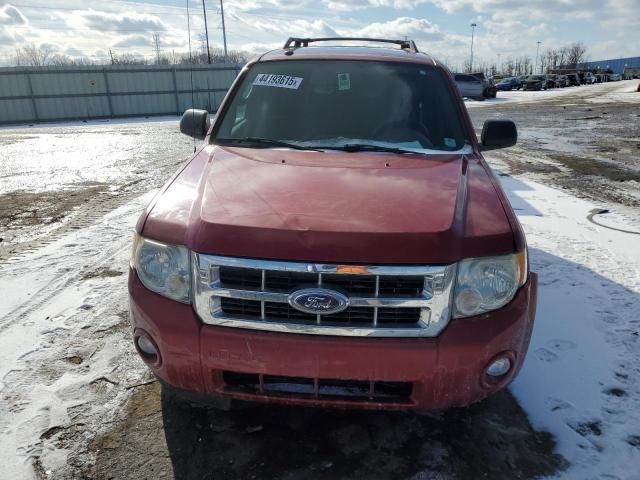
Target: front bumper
<point>445,371</point>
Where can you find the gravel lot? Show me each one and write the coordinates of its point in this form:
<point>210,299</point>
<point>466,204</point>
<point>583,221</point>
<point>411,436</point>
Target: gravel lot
<point>110,418</point>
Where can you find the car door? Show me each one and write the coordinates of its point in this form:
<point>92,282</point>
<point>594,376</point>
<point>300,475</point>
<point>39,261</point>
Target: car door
<point>463,84</point>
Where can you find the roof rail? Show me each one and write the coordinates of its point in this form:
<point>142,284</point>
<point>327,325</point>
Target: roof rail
<point>294,42</point>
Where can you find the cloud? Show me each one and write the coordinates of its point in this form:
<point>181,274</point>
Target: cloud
<point>349,5</point>
<point>10,15</point>
<point>401,27</point>
<point>127,22</point>
<point>10,39</point>
<point>134,41</point>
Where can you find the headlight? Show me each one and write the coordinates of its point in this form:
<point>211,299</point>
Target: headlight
<point>162,268</point>
<point>488,283</point>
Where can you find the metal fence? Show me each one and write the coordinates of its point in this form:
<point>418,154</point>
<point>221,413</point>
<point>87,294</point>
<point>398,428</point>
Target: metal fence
<point>32,94</point>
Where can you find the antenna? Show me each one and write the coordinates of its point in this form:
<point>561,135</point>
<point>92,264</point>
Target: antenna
<point>193,114</point>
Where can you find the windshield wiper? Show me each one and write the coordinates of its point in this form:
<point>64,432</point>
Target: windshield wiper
<point>365,147</point>
<point>267,142</point>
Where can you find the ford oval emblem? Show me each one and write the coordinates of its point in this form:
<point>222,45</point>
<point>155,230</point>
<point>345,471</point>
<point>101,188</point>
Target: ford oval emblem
<point>318,301</point>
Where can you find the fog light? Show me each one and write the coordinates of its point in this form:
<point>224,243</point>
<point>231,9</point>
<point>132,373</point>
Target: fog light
<point>146,346</point>
<point>499,367</point>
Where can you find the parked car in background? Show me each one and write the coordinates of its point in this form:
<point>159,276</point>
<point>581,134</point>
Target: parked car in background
<point>470,86</point>
<point>615,77</point>
<point>587,78</point>
<point>490,90</point>
<point>323,248</point>
<point>574,79</point>
<point>550,81</point>
<point>563,81</point>
<point>534,82</point>
<point>509,83</point>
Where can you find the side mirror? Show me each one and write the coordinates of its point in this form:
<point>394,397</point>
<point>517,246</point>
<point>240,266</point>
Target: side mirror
<point>498,134</point>
<point>195,123</point>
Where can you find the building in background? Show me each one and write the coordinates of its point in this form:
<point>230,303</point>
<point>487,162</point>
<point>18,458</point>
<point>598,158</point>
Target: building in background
<point>614,65</point>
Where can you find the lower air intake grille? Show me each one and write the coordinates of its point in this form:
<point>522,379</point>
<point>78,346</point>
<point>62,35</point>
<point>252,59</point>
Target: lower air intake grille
<point>304,386</point>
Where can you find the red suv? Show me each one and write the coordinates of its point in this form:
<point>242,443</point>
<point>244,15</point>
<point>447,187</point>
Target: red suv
<point>338,240</point>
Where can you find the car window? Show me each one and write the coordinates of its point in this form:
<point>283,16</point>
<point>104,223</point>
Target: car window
<point>330,102</point>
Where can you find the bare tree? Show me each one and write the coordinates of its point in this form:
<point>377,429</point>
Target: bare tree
<point>127,59</point>
<point>577,54</point>
<point>59,60</point>
<point>234,57</point>
<point>34,56</point>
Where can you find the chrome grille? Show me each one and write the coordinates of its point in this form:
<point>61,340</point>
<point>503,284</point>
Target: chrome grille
<point>383,300</point>
<point>352,316</point>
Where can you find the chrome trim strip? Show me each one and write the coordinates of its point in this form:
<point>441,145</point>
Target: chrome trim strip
<point>277,297</point>
<point>314,329</point>
<point>286,266</point>
<point>263,278</point>
<point>255,295</point>
<point>375,309</point>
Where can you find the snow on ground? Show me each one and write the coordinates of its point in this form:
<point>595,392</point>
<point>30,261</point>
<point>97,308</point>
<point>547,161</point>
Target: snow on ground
<point>623,91</point>
<point>56,361</point>
<point>581,378</point>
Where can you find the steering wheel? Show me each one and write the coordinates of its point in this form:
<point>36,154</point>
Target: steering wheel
<point>394,131</point>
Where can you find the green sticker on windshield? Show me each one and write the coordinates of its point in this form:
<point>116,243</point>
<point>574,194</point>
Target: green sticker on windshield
<point>450,142</point>
<point>344,81</point>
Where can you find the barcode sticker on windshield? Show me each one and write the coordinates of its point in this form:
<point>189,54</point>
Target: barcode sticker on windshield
<point>280,81</point>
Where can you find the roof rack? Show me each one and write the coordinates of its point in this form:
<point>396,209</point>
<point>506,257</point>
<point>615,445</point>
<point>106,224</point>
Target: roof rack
<point>294,42</point>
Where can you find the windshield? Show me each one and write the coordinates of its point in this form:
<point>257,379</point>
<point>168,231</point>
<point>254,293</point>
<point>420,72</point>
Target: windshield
<point>330,104</point>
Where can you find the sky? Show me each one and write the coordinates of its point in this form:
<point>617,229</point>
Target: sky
<point>609,28</point>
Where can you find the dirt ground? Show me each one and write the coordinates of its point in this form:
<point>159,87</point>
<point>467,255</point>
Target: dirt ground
<point>159,437</point>
<point>592,150</point>
<point>77,173</point>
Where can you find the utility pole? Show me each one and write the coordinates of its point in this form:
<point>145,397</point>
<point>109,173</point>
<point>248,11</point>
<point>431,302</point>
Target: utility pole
<point>224,31</point>
<point>537,53</point>
<point>111,55</point>
<point>206,32</point>
<point>473,27</point>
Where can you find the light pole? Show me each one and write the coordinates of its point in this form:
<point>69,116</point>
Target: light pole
<point>537,53</point>
<point>473,27</point>
<point>206,32</point>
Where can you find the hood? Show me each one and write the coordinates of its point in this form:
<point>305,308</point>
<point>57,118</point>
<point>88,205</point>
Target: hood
<point>332,207</point>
